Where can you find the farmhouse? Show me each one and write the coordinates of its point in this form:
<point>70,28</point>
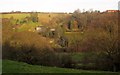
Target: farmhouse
<point>52,30</point>
<point>40,28</point>
<point>109,11</point>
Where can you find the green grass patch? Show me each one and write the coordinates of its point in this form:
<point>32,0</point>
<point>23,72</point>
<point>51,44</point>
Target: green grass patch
<point>30,26</point>
<point>20,67</point>
<point>0,66</point>
<point>16,16</point>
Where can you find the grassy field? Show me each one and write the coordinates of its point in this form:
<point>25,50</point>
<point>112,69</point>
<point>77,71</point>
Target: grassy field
<point>19,67</point>
<point>16,16</point>
<point>29,26</point>
<point>43,17</point>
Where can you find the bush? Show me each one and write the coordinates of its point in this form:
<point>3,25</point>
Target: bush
<point>67,61</point>
<point>33,55</point>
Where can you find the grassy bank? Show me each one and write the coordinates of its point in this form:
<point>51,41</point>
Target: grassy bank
<point>20,67</point>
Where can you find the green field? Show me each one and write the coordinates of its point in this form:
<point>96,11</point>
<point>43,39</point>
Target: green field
<point>43,19</point>
<point>20,67</point>
<point>16,16</point>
